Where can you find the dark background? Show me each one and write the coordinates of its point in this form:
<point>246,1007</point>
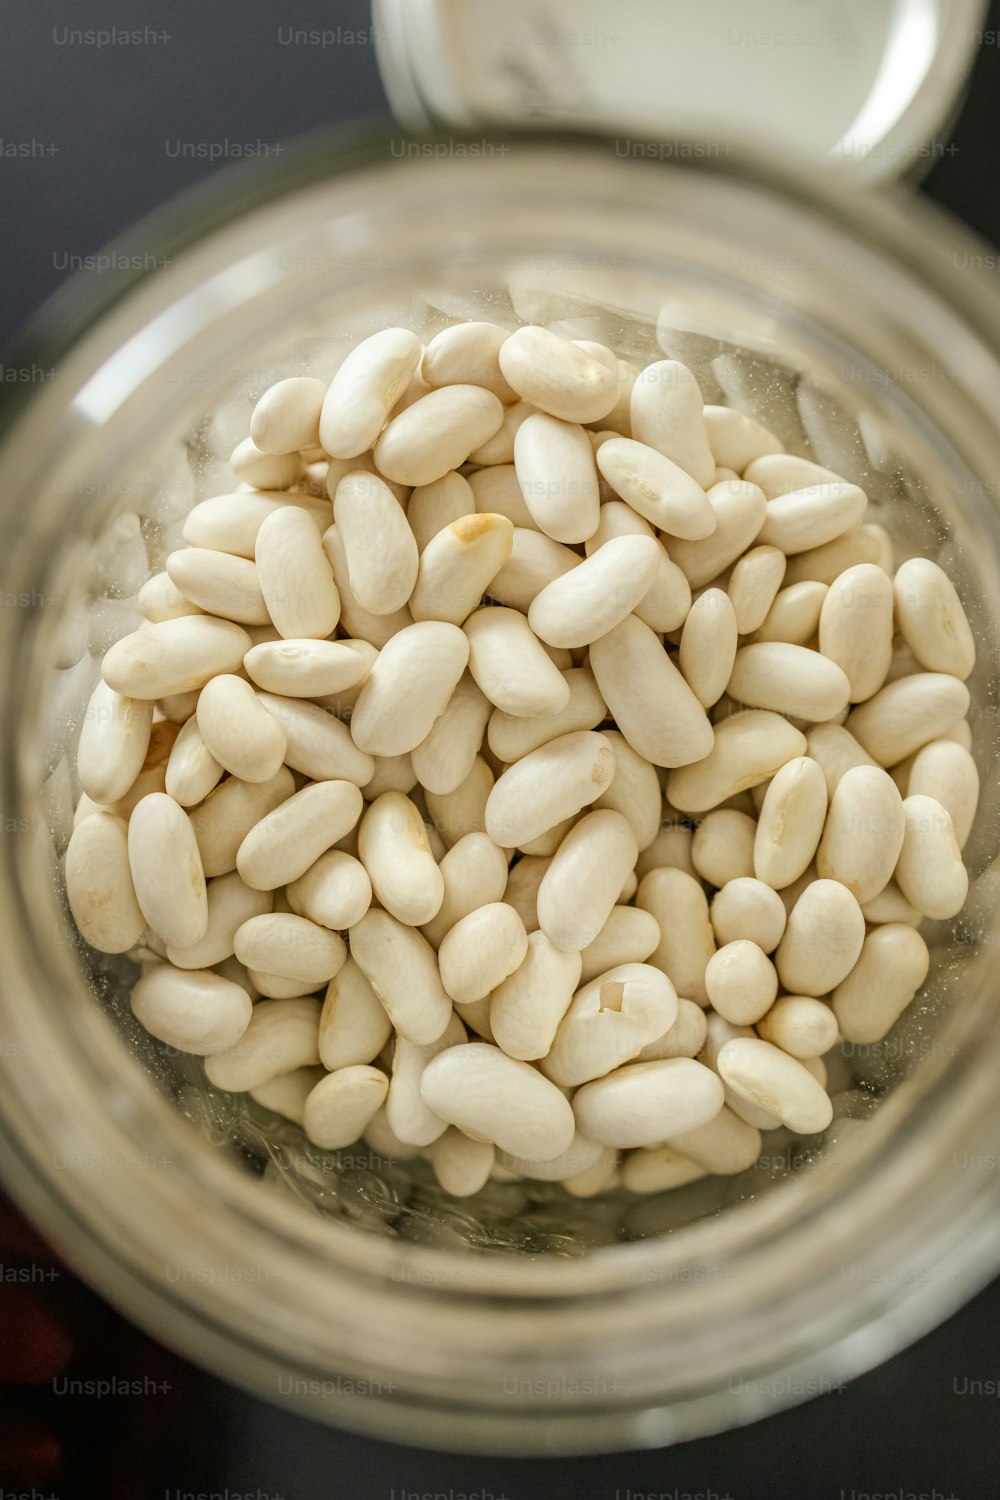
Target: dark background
<point>96,122</point>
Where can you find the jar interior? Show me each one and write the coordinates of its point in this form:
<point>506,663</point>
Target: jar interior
<point>772,360</point>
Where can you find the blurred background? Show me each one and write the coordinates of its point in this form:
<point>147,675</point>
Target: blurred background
<point>94,135</point>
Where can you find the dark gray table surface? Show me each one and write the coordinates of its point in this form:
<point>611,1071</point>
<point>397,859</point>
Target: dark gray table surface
<point>88,146</point>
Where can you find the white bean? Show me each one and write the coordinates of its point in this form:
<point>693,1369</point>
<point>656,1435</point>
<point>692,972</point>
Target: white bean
<point>907,714</point>
<point>527,1006</point>
<point>893,965</point>
<point>741,982</point>
<point>749,748</point>
<point>725,1146</point>
<point>290,839</point>
<point>467,354</point>
<point>353,1025</point>
<point>444,759</point>
<point>461,1166</point>
<point>666,413</point>
<point>286,417</point>
<point>380,548</point>
<point>555,469</point>
<point>265,471</point>
<point>334,892</point>
<point>474,871</point>
<point>609,1022</point>
<point>668,599</point>
<point>167,870</point>
<point>226,816</point>
<point>855,627</point>
<point>657,1169</point>
<point>99,885</point>
<point>401,967</point>
<point>782,473</point>
<point>193,1010</point>
<point>722,846</point>
<point>890,905</point>
<point>161,599</point>
<point>776,1082</point>
<point>287,1094</point>
<point>432,507</point>
<point>296,578</point>
<point>657,488</point>
<point>365,389</point>
<point>687,942</point>
<point>409,687</point>
<point>946,771</point>
<point>864,832</point>
<point>634,791</point>
<point>789,680</point>
<point>822,940</point>
<point>737,440</point>
<point>454,814</point>
<point>859,544</point>
<point>457,566</point>
<point>481,950</point>
<point>174,656</point>
<point>495,491</point>
<point>708,646</point>
<point>342,1104</point>
<point>551,783</point>
<point>745,908</point>
<point>230,523</point>
<point>360,622</point>
<point>582,883</point>
<point>739,514</point>
<point>238,731</point>
<point>591,599</point>
<point>220,583</point>
<point>535,560</point>
<point>557,376</point>
<point>283,943</point>
<point>645,1103</point>
<point>305,668</point>
<point>192,770</point>
<point>394,849</point>
<point>493,1097</point>
<point>802,1026</point>
<point>813,516</point>
<point>625,374</point>
<point>790,823</point>
<point>652,705</point>
<point>685,1038</point>
<point>835,751</point>
<point>795,615</point>
<point>930,872</point>
<point>510,664</point>
<point>406,1113</point>
<point>317,743</point>
<point>437,433</point>
<point>114,738</point>
<point>754,584</point>
<point>580,1156</point>
<point>282,1035</point>
<point>930,616</point>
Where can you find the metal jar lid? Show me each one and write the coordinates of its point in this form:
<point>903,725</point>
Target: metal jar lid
<point>864,85</point>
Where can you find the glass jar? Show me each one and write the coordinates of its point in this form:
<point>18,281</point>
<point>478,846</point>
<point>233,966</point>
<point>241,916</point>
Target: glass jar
<point>347,1285</point>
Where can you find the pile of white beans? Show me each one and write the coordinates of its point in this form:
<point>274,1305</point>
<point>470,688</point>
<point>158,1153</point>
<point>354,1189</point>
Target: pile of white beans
<point>528,767</point>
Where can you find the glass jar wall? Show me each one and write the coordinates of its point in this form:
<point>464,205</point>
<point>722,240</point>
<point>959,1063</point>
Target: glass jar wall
<point>346,1284</point>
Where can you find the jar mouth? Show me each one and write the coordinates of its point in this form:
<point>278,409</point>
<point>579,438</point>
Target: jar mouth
<point>74,1089</point>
